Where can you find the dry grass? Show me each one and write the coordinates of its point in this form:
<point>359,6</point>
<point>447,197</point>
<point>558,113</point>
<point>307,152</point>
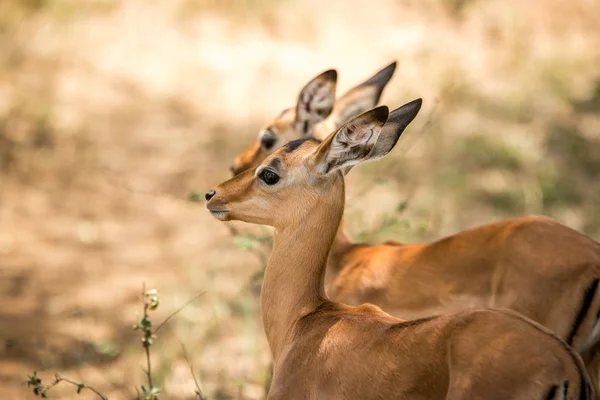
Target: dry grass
<point>111,112</point>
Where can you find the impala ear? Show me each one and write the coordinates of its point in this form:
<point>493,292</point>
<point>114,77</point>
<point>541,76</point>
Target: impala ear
<point>363,97</point>
<point>315,101</point>
<point>351,144</point>
<point>396,123</point>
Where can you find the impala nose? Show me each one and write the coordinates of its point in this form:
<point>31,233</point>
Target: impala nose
<point>209,195</point>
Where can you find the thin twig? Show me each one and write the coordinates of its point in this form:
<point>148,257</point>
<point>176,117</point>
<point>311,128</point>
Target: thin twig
<point>39,389</point>
<point>149,372</point>
<point>147,349</point>
<point>198,390</point>
<point>59,378</point>
<point>146,327</point>
<point>177,311</point>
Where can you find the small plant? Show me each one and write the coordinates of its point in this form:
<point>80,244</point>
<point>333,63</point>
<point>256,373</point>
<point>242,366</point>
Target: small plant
<point>41,390</point>
<point>150,301</point>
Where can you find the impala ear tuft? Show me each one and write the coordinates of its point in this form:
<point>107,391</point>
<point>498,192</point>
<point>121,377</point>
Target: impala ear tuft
<point>315,101</point>
<point>351,144</point>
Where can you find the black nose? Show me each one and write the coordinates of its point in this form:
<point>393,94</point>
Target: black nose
<point>209,195</point>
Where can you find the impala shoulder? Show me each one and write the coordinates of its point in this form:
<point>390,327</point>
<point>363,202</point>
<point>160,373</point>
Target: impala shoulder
<point>372,311</point>
<point>535,223</point>
<point>539,219</point>
<point>529,226</point>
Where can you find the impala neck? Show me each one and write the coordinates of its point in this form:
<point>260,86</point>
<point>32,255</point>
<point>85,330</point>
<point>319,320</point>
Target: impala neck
<point>293,285</point>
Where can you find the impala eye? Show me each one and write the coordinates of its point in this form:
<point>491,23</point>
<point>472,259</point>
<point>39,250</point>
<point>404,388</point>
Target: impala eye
<point>269,177</point>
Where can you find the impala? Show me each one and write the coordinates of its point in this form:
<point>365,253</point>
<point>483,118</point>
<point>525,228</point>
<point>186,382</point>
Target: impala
<point>327,350</point>
<point>533,265</point>
<point>316,114</point>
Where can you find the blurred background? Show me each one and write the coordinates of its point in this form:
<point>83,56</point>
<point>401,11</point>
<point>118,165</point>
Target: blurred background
<point>112,112</point>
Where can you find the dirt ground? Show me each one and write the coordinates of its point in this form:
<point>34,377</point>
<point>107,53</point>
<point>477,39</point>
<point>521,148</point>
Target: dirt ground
<point>112,112</point>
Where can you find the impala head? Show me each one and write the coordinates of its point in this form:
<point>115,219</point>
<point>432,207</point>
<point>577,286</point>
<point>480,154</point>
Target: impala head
<point>316,103</point>
<point>286,185</point>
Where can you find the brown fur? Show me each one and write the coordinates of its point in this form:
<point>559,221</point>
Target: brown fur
<point>323,349</point>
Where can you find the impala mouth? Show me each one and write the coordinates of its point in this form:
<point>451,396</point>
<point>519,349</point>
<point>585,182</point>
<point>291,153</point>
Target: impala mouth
<point>219,213</point>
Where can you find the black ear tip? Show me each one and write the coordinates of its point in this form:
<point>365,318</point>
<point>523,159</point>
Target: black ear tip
<point>329,75</point>
<point>414,105</point>
<point>410,110</point>
<point>388,71</point>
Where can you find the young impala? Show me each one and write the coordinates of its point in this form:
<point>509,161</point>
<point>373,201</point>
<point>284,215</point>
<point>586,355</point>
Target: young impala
<point>327,350</point>
<point>317,113</point>
<point>533,265</point>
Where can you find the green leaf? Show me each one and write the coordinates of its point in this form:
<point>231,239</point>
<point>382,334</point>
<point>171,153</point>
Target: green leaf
<point>246,243</point>
<point>155,391</point>
<point>146,323</point>
<point>107,348</point>
<point>195,197</point>
<point>402,206</point>
<point>258,276</point>
<point>36,382</point>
